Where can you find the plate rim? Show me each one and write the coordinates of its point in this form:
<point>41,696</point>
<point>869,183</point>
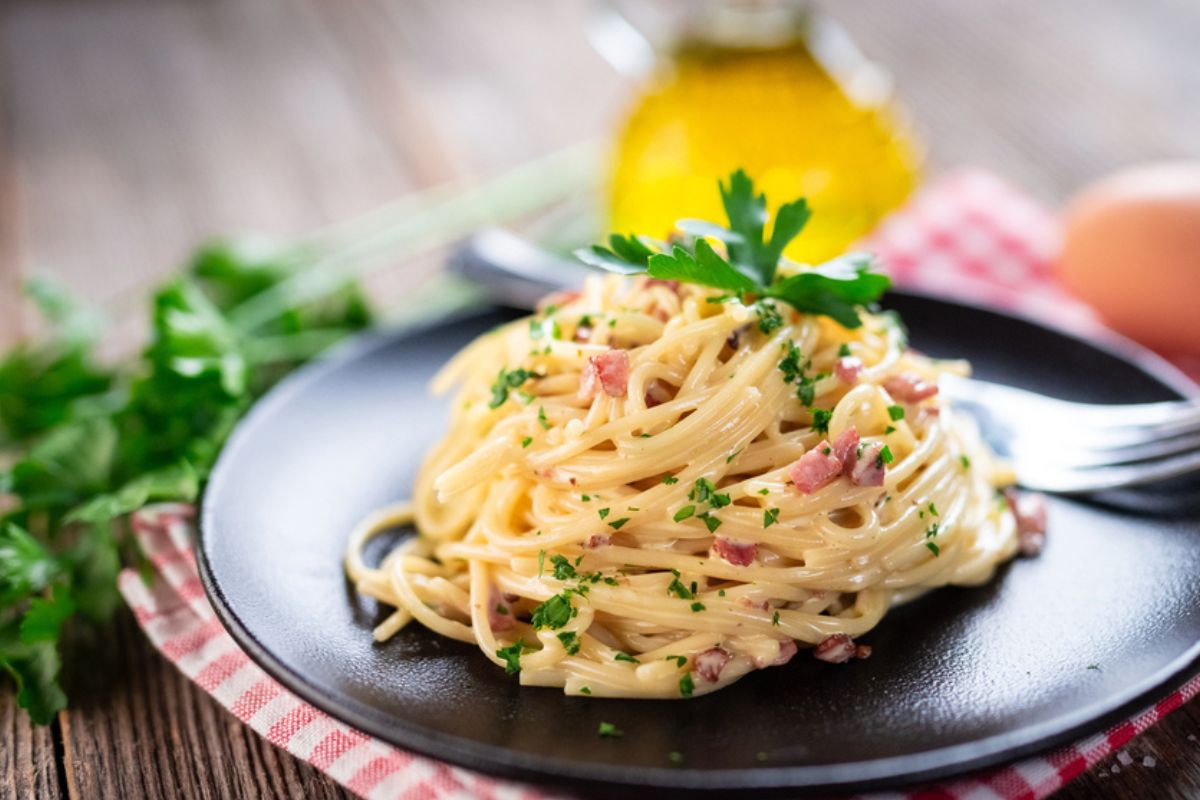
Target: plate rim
<point>894,771</point>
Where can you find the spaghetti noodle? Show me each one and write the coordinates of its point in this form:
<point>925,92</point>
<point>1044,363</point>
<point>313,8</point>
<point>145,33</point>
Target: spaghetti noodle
<point>659,493</point>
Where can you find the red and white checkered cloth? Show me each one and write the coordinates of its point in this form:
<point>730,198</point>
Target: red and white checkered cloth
<point>968,235</point>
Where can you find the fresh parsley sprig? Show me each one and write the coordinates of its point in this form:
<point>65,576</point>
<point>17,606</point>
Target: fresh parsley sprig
<point>836,289</point>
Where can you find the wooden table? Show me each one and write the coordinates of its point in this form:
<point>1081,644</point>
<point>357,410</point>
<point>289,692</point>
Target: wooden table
<point>130,130</point>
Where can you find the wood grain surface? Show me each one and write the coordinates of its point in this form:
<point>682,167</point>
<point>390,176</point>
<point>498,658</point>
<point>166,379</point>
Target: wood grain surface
<point>131,130</point>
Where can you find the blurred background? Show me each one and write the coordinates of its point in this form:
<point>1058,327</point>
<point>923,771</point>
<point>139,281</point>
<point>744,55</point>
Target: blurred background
<point>133,130</point>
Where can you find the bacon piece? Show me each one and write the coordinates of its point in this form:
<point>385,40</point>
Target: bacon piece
<point>558,299</point>
<point>863,651</point>
<point>740,554</point>
<point>598,540</point>
<point>836,649</point>
<point>656,394</point>
<point>1030,510</point>
<point>609,371</point>
<point>848,369</point>
<point>500,615</point>
<point>815,468</point>
<point>787,649</point>
<point>908,387</point>
<point>869,469</point>
<point>711,663</point>
<point>846,449</point>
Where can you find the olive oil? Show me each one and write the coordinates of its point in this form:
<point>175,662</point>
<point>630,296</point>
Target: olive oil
<point>778,113</point>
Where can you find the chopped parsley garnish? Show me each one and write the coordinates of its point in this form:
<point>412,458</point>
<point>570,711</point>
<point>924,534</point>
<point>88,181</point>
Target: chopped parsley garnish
<point>821,417</point>
<point>826,451</point>
<point>585,690</point>
<point>686,685</point>
<point>769,318</point>
<point>704,491</point>
<point>506,380</point>
<point>721,593</point>
<point>729,458</point>
<point>885,456</point>
<point>538,327</point>
<point>587,498</point>
<point>670,480</point>
<point>677,588</point>
<point>501,609</point>
<point>896,412</point>
<point>1095,667</point>
<point>684,513</point>
<point>554,613</point>
<point>680,661</point>
<point>933,548</point>
<point>563,570</point>
<point>617,523</point>
<point>525,397</point>
<point>545,423</point>
<point>610,731</point>
<point>570,642</point>
<point>965,461</point>
<point>770,517</point>
<point>528,440</point>
<point>619,656</point>
<point>775,618</point>
<point>512,657</point>
<point>933,509</point>
<point>675,757</point>
<point>764,491</point>
<point>797,373</point>
<point>710,522</point>
<point>843,350</point>
<point>603,513</point>
<point>697,606</point>
<point>889,429</point>
<point>541,561</point>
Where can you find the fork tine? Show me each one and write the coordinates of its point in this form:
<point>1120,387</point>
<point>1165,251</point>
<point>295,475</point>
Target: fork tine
<point>1060,454</point>
<point>1112,425</point>
<point>1076,480</point>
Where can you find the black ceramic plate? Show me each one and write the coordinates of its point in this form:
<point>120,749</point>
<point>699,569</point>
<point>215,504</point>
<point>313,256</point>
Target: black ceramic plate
<point>1054,647</point>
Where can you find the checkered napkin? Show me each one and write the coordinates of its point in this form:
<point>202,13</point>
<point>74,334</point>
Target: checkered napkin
<point>968,235</point>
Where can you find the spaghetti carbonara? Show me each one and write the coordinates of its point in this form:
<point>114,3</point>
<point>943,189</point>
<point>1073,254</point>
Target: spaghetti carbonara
<point>646,493</point>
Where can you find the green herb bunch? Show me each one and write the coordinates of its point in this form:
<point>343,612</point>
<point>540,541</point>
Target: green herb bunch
<point>86,444</point>
<point>748,269</point>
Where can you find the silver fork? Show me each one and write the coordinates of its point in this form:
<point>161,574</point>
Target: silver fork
<point>1054,445</point>
<point>1065,447</point>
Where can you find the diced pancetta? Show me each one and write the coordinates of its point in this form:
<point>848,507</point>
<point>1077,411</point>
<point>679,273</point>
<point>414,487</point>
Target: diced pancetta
<point>836,649</point>
<point>740,554</point>
<point>815,468</point>
<point>608,371</point>
<point>846,449</point>
<point>848,369</point>
<point>908,387</point>
<point>711,663</point>
<point>1030,510</point>
<point>598,540</point>
<point>869,469</point>
<point>500,614</point>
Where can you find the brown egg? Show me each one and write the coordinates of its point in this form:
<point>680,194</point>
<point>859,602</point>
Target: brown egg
<point>1131,248</point>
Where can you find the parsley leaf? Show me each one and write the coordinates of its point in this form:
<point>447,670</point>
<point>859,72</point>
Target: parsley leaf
<point>686,685</point>
<point>770,517</point>
<point>507,379</point>
<point>554,613</point>
<point>570,642</point>
<point>629,255</point>
<point>512,657</point>
<point>835,288</point>
<point>820,419</point>
<point>705,268</point>
<point>610,731</point>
